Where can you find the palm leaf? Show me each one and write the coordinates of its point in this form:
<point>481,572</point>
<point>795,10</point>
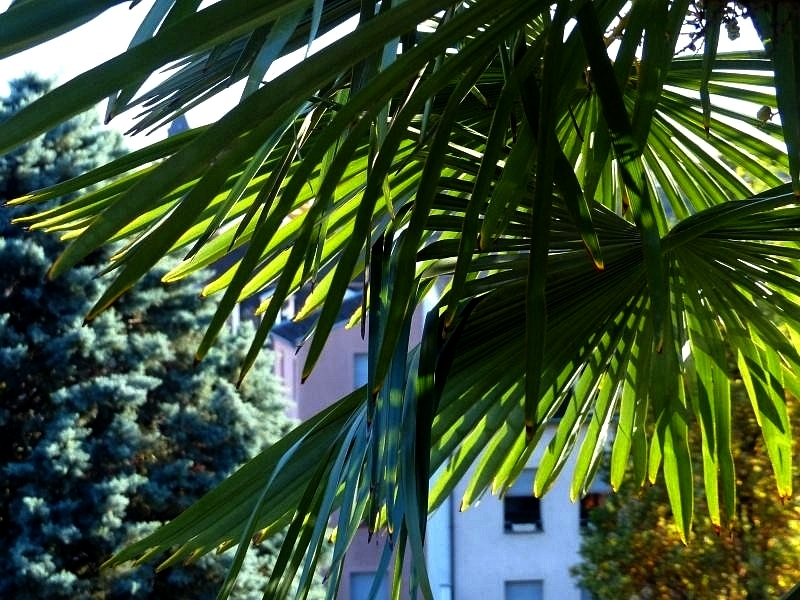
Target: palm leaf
<point>604,231</point>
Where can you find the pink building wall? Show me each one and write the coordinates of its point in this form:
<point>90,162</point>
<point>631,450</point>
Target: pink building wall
<point>332,378</point>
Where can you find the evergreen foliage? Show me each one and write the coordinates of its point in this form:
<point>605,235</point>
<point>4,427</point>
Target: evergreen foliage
<point>631,549</point>
<point>108,430</point>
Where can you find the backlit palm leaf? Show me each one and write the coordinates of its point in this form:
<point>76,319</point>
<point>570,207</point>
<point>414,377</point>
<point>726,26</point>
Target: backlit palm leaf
<point>589,220</point>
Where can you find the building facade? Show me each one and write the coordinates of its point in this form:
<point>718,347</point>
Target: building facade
<point>515,548</point>
<point>341,368</point>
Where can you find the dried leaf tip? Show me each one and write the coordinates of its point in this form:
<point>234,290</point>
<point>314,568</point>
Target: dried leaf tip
<point>529,427</point>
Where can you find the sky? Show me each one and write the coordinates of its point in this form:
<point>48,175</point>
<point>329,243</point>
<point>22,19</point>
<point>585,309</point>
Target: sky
<point>109,34</point>
<point>71,54</point>
<point>102,39</point>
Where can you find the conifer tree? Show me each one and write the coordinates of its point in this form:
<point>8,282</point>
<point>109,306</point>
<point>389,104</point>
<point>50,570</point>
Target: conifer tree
<point>108,430</point>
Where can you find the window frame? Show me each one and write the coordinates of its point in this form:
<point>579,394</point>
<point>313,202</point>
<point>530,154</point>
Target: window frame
<point>360,369</point>
<point>536,584</point>
<point>595,498</point>
<point>383,588</point>
<point>521,493</point>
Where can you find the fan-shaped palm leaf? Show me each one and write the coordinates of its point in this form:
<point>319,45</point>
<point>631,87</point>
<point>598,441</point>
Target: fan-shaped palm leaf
<point>590,222</point>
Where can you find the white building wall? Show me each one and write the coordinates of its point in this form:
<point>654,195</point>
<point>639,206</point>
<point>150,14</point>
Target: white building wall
<point>485,557</point>
<point>439,550</point>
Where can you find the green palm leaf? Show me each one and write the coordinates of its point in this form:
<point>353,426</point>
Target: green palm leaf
<point>611,236</point>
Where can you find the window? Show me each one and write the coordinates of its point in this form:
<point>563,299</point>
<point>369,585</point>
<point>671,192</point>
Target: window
<point>360,370</point>
<point>586,594</point>
<point>361,584</point>
<point>524,590</point>
<point>521,509</point>
<point>588,503</point>
<point>288,311</point>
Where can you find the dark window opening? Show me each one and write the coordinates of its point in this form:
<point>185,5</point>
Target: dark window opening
<point>588,503</point>
<point>522,514</point>
<point>522,511</point>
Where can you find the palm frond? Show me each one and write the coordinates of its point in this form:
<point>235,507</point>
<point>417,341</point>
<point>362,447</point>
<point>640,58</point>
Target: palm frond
<point>612,237</point>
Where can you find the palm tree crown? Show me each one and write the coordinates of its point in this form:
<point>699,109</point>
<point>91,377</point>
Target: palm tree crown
<point>611,227</point>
